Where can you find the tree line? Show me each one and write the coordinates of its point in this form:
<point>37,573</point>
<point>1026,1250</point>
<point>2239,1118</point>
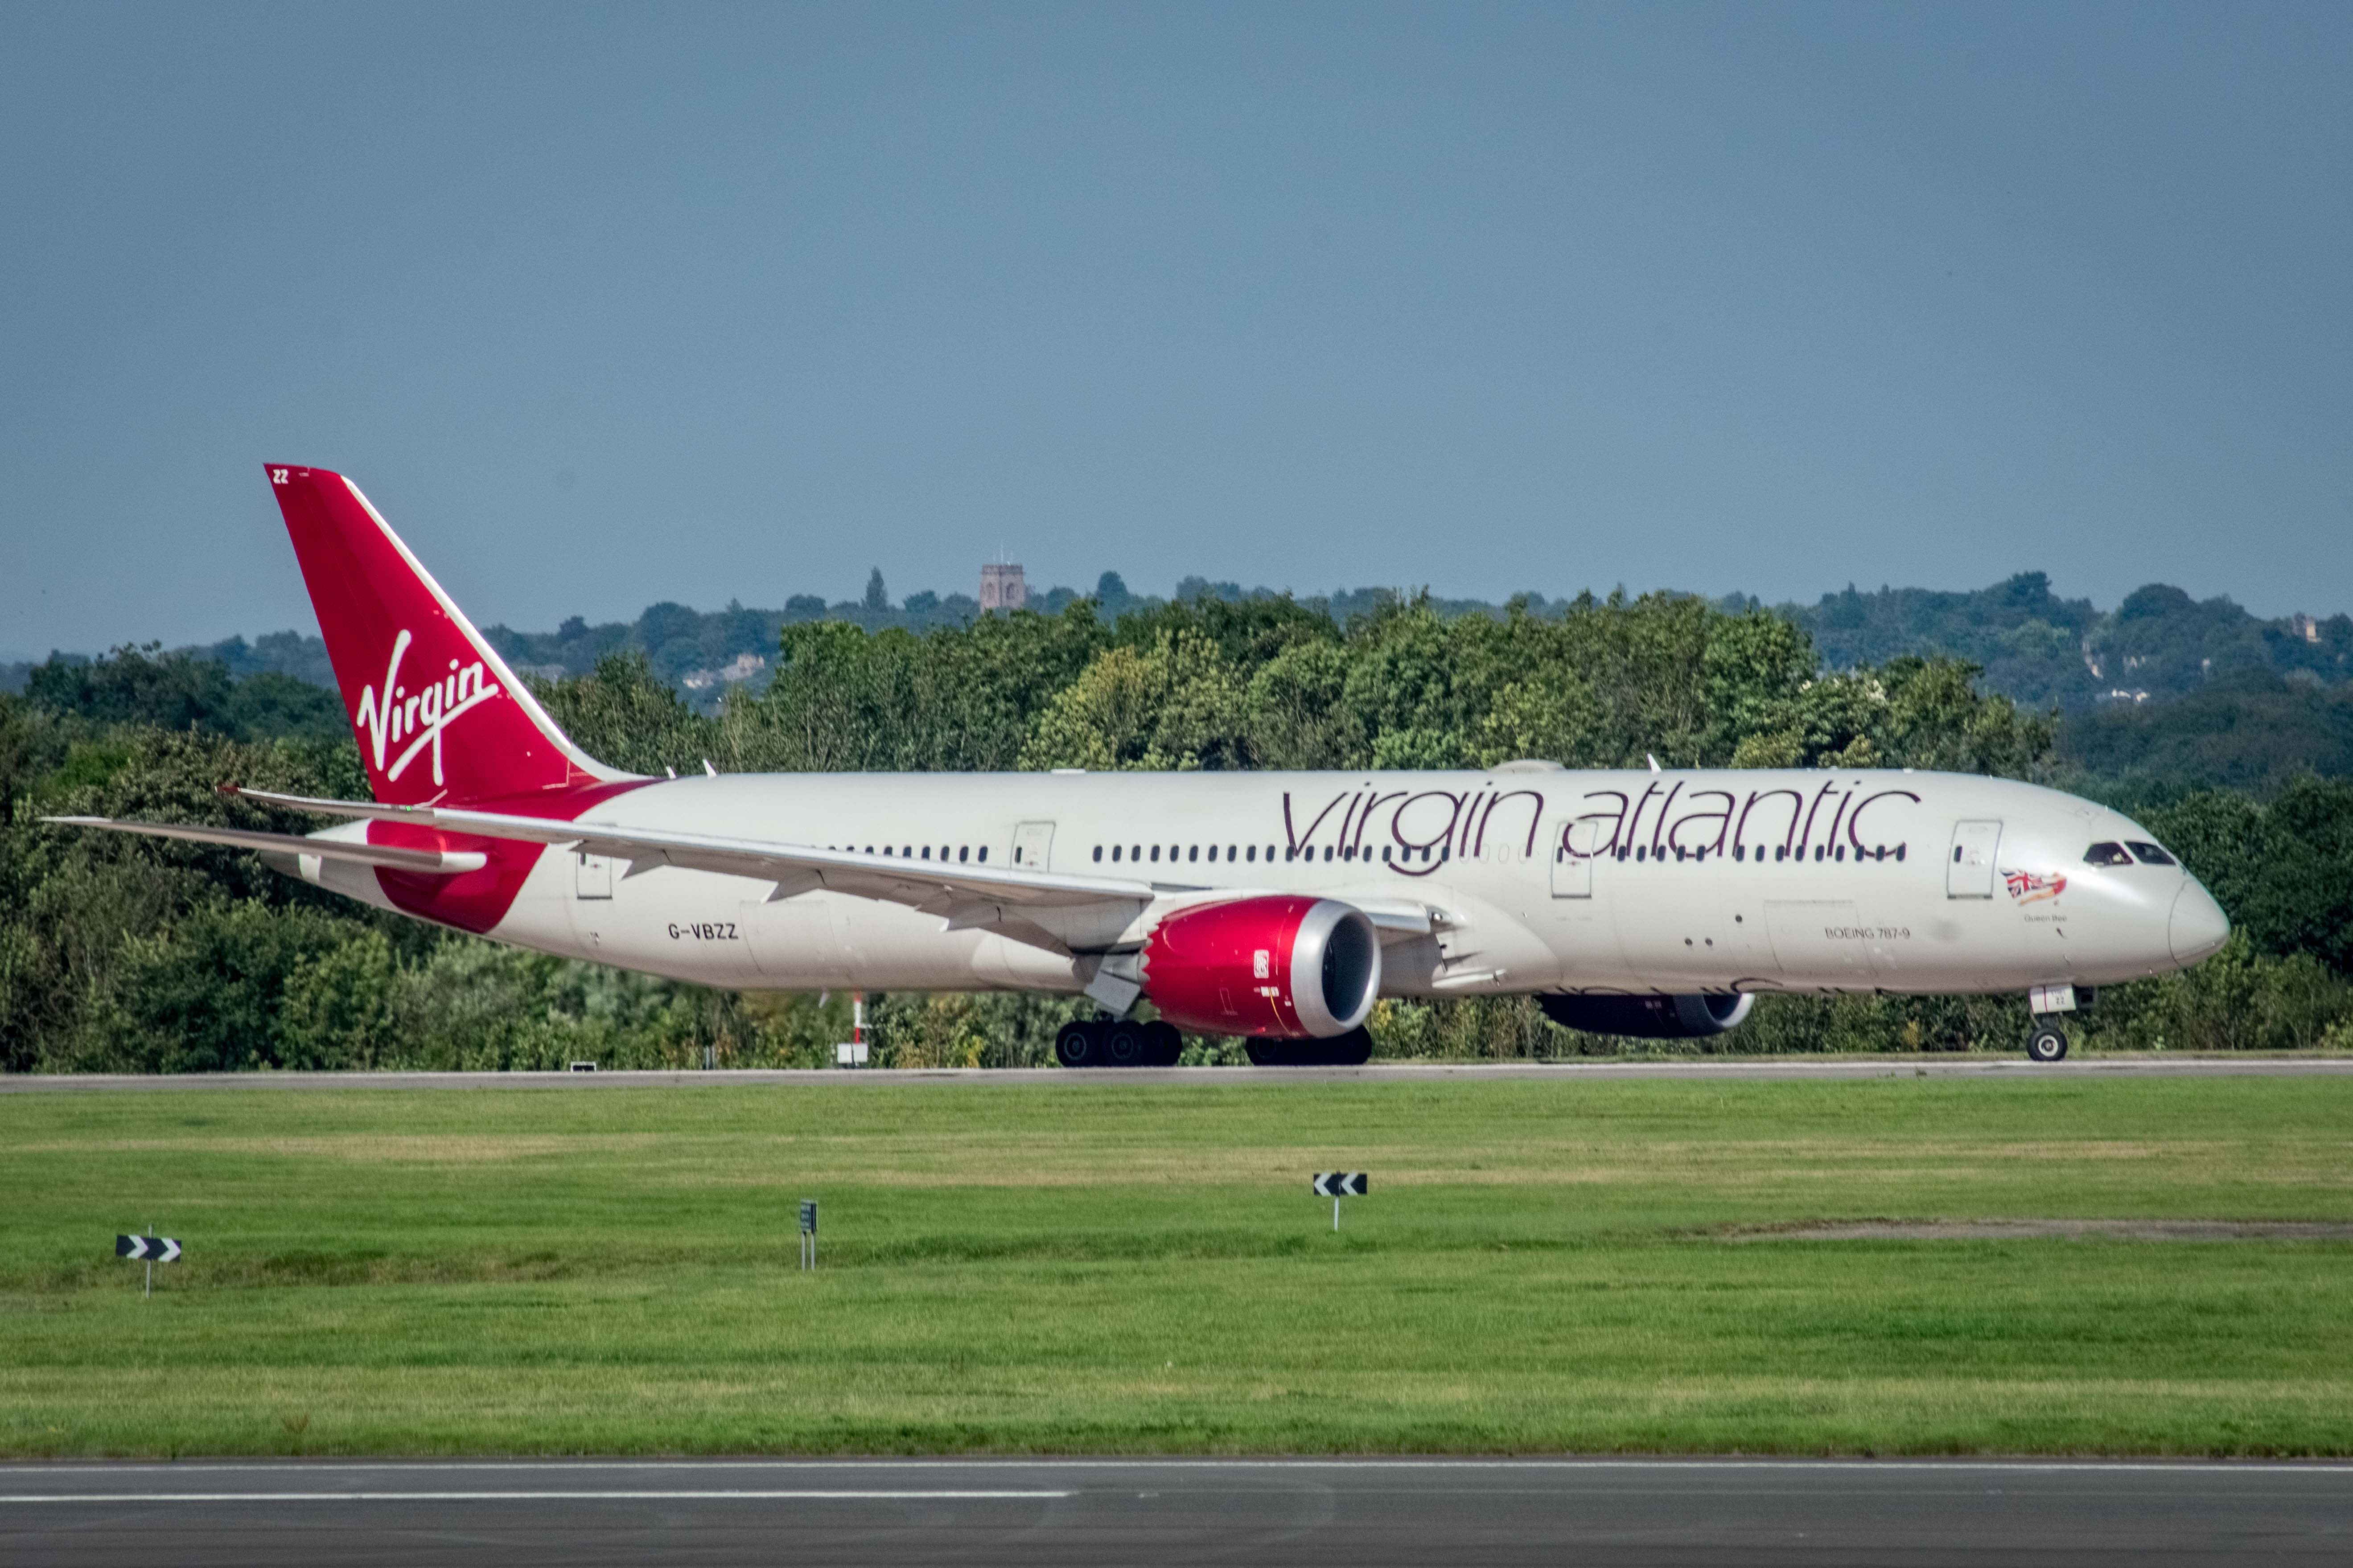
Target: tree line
<point>138,955</point>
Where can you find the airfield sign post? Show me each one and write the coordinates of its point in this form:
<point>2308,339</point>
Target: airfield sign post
<point>808,1233</point>
<point>150,1250</point>
<point>1334,1185</point>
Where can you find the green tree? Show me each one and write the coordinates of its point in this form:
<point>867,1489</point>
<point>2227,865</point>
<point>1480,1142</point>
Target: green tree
<point>1176,706</point>
<point>621,713</point>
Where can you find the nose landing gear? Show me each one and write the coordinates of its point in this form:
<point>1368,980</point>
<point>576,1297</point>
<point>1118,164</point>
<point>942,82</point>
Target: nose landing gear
<point>2048,1043</point>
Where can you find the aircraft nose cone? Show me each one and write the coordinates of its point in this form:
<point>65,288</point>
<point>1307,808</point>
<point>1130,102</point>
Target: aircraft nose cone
<point>2200,926</point>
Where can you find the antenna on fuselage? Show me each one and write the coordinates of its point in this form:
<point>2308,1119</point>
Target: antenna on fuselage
<point>1652,760</point>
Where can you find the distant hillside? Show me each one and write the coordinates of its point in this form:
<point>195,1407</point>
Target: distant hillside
<point>2162,686</point>
<point>2251,730</point>
<point>704,652</point>
<point>2048,651</point>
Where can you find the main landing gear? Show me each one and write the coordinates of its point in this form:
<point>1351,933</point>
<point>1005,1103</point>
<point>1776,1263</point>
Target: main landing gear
<point>1118,1043</point>
<point>1353,1049</point>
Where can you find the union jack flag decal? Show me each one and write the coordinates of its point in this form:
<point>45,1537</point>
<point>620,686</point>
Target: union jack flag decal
<point>2032,887</point>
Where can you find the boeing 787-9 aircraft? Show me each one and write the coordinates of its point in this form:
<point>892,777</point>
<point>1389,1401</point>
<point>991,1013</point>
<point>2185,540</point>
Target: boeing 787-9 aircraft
<point>1274,906</point>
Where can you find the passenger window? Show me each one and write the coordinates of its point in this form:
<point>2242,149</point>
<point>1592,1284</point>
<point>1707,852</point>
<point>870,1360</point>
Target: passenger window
<point>2150,854</point>
<point>927,851</point>
<point>964,853</point>
<point>2106,855</point>
<point>1253,852</point>
<point>1194,853</point>
<point>1230,854</point>
<point>1098,851</point>
<point>984,851</point>
<point>1156,852</point>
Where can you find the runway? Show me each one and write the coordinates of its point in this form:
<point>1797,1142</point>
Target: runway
<point>1358,1513</point>
<point>1718,1067</point>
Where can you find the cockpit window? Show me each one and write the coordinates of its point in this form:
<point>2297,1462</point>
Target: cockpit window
<point>2150,854</point>
<point>2106,855</point>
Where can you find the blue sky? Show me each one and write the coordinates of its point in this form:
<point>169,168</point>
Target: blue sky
<point>604,306</point>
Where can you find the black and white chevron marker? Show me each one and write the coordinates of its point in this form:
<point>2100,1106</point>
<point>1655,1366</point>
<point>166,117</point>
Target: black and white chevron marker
<point>153,1249</point>
<point>1339,1183</point>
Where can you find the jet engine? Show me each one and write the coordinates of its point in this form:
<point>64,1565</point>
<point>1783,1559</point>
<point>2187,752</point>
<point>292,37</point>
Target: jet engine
<point>1649,1017</point>
<point>1283,968</point>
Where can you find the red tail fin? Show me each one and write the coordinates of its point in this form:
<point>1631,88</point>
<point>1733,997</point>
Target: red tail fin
<point>438,715</point>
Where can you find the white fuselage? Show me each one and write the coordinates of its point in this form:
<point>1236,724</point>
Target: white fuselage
<point>1532,879</point>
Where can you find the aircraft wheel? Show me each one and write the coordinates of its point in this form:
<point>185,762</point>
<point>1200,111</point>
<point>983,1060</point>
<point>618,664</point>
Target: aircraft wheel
<point>2047,1044</point>
<point>1079,1044</point>
<point>1353,1049</point>
<point>1167,1044</point>
<point>1125,1045</point>
<point>1267,1053</point>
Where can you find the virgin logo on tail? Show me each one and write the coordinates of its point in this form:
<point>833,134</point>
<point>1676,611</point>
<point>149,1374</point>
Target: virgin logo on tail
<point>419,716</point>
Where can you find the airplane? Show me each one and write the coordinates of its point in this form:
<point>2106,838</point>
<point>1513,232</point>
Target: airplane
<point>1276,907</point>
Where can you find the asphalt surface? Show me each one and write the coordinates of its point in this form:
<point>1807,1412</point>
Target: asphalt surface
<point>1359,1513</point>
<point>1704,1067</point>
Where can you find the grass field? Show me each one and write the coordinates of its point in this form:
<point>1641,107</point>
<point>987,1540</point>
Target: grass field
<point>1542,1265</point>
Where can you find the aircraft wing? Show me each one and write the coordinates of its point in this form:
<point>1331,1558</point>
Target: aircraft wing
<point>964,895</point>
<point>428,862</point>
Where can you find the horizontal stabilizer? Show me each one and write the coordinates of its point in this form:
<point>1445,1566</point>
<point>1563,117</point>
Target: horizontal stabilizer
<point>429,862</point>
<point>888,877</point>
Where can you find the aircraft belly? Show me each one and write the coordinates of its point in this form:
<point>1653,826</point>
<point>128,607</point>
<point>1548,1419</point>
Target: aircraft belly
<point>1672,923</point>
<point>540,917</point>
<point>893,947</point>
<point>686,925</point>
<point>796,943</point>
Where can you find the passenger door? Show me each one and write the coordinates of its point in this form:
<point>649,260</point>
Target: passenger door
<point>592,876</point>
<point>1574,845</point>
<point>1033,846</point>
<point>1969,869</point>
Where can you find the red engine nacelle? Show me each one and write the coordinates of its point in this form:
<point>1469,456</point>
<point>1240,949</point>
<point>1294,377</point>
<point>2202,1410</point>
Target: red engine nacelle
<point>1278,968</point>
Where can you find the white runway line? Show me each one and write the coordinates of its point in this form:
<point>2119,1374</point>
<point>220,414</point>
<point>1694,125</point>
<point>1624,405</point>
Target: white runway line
<point>501,1466</point>
<point>1826,1068</point>
<point>794,1496</point>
